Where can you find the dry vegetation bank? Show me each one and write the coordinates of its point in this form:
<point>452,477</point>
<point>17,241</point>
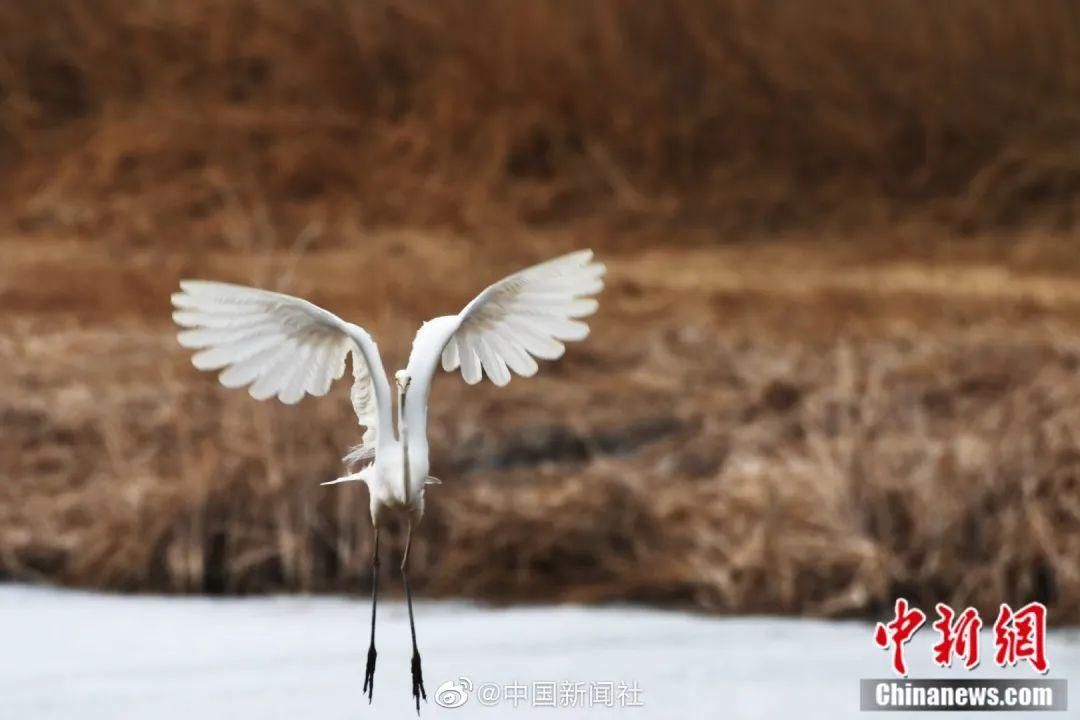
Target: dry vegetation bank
<point>786,447</point>
<point>152,120</point>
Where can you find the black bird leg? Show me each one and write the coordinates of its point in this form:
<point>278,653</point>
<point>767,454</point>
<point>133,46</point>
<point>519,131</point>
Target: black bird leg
<point>417,672</point>
<point>369,672</point>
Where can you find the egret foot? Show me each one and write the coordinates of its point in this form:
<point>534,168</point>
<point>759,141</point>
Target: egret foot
<point>369,674</point>
<point>417,680</point>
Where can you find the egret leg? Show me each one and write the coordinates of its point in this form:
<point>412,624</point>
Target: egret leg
<point>369,671</point>
<point>417,672</point>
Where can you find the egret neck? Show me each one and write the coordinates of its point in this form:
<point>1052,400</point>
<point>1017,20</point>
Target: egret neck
<point>403,430</point>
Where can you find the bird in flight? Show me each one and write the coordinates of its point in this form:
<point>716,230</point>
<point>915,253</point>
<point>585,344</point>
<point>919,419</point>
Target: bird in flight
<point>281,346</point>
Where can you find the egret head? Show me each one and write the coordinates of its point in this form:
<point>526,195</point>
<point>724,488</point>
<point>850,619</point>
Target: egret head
<point>402,379</point>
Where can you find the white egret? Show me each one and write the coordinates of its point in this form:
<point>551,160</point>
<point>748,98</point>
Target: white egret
<point>286,347</point>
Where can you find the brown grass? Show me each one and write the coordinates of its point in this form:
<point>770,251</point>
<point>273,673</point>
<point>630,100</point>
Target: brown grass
<point>740,116</point>
<point>792,425</point>
<point>789,444</point>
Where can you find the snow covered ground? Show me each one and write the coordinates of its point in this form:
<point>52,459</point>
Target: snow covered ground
<point>81,656</point>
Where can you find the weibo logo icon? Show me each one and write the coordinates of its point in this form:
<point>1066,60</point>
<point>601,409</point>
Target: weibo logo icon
<point>453,693</point>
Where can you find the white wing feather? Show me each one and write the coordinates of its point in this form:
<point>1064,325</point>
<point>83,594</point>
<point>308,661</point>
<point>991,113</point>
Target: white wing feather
<point>362,396</point>
<point>525,316</point>
<point>281,346</point>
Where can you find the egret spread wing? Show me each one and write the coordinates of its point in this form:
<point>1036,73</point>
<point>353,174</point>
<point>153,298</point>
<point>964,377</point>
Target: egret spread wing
<point>281,346</point>
<point>525,316</point>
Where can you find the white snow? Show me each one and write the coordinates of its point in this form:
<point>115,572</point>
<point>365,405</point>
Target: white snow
<point>80,656</point>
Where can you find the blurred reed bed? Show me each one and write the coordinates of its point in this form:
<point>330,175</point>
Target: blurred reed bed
<point>753,440</point>
<point>737,115</point>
